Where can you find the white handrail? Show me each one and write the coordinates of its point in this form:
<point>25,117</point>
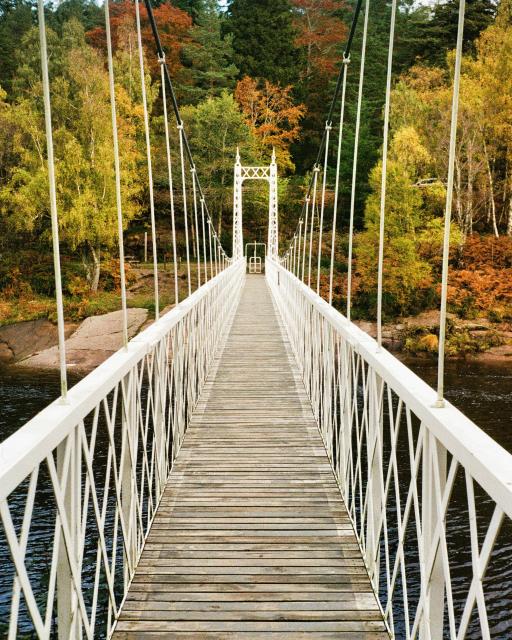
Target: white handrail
<point>364,398</point>
<point>139,402</point>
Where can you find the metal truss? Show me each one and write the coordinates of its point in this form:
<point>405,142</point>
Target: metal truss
<point>268,173</point>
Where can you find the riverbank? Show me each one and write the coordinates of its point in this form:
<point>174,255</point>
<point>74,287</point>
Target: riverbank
<point>33,344</point>
<point>28,334</point>
<point>477,339</point>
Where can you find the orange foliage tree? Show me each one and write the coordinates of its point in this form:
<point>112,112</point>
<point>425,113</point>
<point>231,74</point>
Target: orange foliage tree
<point>482,278</point>
<point>320,34</point>
<point>272,115</point>
<point>173,25</point>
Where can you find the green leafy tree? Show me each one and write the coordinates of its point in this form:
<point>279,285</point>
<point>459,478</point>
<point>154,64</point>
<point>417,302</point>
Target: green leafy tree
<point>216,128</point>
<point>413,215</point>
<point>264,39</point>
<point>89,13</point>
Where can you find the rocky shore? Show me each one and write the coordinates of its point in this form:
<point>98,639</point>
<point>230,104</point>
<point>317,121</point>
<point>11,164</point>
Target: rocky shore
<point>33,344</point>
<point>477,339</point>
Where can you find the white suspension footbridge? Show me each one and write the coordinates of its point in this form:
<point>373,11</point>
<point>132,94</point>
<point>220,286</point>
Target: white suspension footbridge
<point>253,464</point>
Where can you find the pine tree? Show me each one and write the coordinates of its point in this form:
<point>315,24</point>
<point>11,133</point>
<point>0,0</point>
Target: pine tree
<point>264,39</point>
<point>16,19</point>
<point>438,35</point>
<point>193,7</point>
<point>209,57</point>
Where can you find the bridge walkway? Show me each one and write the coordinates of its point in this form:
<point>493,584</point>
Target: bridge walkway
<point>252,539</point>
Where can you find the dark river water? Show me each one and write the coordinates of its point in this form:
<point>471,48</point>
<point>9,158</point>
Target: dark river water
<point>482,391</point>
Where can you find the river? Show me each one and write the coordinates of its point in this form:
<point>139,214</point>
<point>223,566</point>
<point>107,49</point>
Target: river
<point>482,391</point>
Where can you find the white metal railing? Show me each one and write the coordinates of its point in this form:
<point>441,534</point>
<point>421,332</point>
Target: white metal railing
<point>429,493</point>
<point>81,482</point>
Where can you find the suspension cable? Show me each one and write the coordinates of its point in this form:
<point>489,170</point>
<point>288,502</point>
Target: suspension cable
<point>355,159</point>
<point>346,62</point>
<point>449,203</point>
<point>148,154</point>
<point>313,206</point>
<point>53,200</point>
<point>196,226</point>
<point>294,252</point>
<point>299,249</point>
<point>339,84</point>
<point>204,240</point>
<point>210,244</point>
<point>385,145</point>
<point>169,177</point>
<point>306,219</point>
<point>328,127</point>
<point>172,94</point>
<point>215,247</point>
<point>117,171</point>
<point>185,211</point>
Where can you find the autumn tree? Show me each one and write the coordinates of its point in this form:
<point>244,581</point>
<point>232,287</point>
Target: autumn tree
<point>83,151</point>
<point>320,33</point>
<point>272,115</point>
<point>482,200</point>
<point>173,26</point>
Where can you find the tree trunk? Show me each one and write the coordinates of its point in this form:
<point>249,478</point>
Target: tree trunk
<point>96,261</point>
<point>491,195</point>
<point>492,202</point>
<point>509,218</point>
<point>458,202</point>
<point>470,197</point>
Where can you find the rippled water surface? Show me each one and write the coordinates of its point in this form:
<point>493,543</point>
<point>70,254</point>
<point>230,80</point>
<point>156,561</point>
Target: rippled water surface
<point>482,391</point>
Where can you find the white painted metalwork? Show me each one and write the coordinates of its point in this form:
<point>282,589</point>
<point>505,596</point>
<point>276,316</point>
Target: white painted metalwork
<point>117,172</point>
<point>94,470</point>
<point>53,198</point>
<point>449,204</point>
<point>147,135</point>
<point>410,473</point>
<point>238,241</point>
<point>384,172</point>
<point>242,174</point>
<point>255,264</point>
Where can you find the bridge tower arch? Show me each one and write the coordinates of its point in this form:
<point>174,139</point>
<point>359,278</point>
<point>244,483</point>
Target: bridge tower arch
<point>243,173</point>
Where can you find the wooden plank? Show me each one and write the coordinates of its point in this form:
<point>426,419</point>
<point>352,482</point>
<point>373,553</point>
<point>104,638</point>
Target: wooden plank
<point>252,539</point>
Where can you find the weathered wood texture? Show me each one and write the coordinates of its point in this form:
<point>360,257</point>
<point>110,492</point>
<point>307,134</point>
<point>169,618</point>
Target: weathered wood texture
<point>252,539</point>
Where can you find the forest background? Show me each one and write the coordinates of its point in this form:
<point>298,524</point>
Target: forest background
<point>259,75</point>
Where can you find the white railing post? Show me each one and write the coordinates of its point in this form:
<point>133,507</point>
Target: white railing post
<point>375,386</point>
<point>128,488</point>
<point>69,473</point>
<point>346,402</point>
<point>433,470</point>
<point>160,372</point>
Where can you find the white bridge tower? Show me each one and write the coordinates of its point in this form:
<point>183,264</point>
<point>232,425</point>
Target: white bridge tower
<point>242,174</point>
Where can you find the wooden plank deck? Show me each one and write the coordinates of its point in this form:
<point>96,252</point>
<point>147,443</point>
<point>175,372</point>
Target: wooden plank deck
<point>252,539</point>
